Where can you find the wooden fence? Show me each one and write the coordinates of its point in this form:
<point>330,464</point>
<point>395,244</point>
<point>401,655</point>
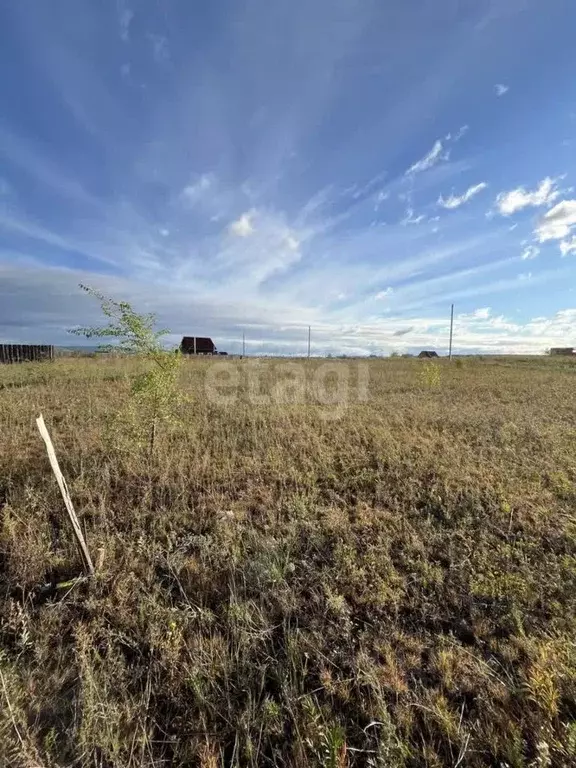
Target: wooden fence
<point>20,353</point>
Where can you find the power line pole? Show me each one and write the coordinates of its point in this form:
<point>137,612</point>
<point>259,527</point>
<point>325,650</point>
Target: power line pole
<point>308,341</point>
<point>451,331</point>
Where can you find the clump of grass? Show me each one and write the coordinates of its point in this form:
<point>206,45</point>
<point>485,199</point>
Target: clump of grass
<point>394,587</point>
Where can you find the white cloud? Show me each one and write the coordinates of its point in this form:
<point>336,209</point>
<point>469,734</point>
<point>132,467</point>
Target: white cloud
<point>435,155</point>
<point>380,198</point>
<point>164,232</point>
<point>557,223</point>
<point>519,198</point>
<point>462,131</point>
<point>193,193</point>
<point>530,252</point>
<point>243,227</point>
<point>260,243</point>
<point>358,191</point>
<point>409,218</point>
<point>160,49</point>
<point>125,19</point>
<point>292,243</point>
<point>47,301</point>
<point>501,89</point>
<point>525,276</point>
<point>568,246</point>
<point>455,202</point>
<point>383,294</point>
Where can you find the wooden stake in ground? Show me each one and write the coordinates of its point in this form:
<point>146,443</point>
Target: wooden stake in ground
<point>66,496</point>
<point>451,331</point>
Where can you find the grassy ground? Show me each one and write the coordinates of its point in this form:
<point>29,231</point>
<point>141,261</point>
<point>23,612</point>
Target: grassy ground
<point>293,584</point>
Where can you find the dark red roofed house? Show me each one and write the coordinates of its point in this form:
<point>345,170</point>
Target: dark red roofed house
<point>198,345</point>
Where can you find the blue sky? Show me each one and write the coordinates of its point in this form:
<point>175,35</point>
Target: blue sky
<point>258,167</point>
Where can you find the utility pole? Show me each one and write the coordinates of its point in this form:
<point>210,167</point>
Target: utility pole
<point>451,331</point>
<point>243,344</point>
<point>308,341</point>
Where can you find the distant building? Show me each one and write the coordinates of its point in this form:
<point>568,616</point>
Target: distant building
<point>198,345</point>
<point>428,353</point>
<point>562,351</point>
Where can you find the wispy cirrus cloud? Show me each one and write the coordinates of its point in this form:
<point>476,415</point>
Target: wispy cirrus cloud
<point>160,49</point>
<point>125,16</point>
<point>500,89</point>
<point>430,159</point>
<point>198,189</point>
<point>440,152</point>
<point>455,201</point>
<point>411,218</point>
<point>33,163</point>
<point>530,252</point>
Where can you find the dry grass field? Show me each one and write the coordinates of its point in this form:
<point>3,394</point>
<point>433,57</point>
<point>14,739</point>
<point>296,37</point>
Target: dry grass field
<point>391,583</point>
